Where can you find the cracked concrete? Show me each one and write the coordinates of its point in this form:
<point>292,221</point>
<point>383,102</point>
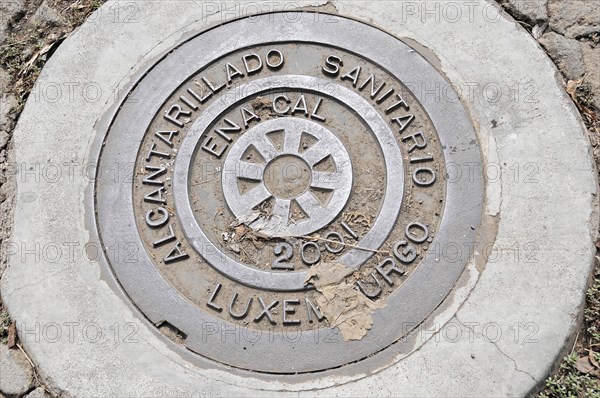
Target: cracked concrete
<point>488,340</point>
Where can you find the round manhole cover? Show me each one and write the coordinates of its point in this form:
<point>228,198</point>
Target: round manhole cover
<point>291,195</point>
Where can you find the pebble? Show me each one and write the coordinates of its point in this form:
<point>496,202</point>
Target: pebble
<point>566,53</point>
<point>9,11</point>
<point>38,393</point>
<point>574,18</point>
<point>46,16</point>
<point>17,374</point>
<point>532,11</point>
<point>591,58</point>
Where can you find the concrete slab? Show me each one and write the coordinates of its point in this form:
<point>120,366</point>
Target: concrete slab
<point>511,318</point>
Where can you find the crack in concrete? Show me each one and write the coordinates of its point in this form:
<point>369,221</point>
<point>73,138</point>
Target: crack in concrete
<point>22,287</point>
<point>495,344</point>
<point>514,363</point>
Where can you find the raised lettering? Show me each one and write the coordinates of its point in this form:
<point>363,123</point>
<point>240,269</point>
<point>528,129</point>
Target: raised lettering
<point>238,315</point>
<point>156,171</point>
<point>156,196</point>
<point>213,148</point>
<point>374,91</point>
<point>249,69</point>
<point>281,98</point>
<point>166,239</point>
<point>288,309</point>
<point>352,76</point>
<point>155,223</point>
<point>232,72</point>
<point>174,118</point>
<point>393,269</point>
<point>300,106</point>
<point>332,65</point>
<point>314,114</point>
<point>211,301</point>
<point>371,295</point>
<point>266,311</point>
<point>275,54</point>
<point>415,238</point>
<point>231,128</point>
<point>175,254</point>
<point>405,252</point>
<point>166,136</point>
<point>248,116</point>
<point>403,121</point>
<point>419,141</point>
<point>312,309</point>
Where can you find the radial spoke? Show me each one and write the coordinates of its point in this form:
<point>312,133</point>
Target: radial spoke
<point>281,211</point>
<point>266,148</point>
<point>291,141</point>
<point>309,204</point>
<point>250,171</point>
<point>325,180</point>
<point>256,196</point>
<point>316,153</point>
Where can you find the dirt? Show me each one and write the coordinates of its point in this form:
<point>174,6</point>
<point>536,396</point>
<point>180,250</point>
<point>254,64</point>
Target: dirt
<point>33,33</point>
<point>342,304</point>
<point>30,35</point>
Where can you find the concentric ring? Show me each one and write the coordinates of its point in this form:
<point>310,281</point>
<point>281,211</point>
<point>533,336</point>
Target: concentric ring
<point>408,305</point>
<point>338,182</point>
<point>292,281</point>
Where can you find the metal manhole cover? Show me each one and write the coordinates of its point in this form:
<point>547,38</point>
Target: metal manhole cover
<point>268,150</point>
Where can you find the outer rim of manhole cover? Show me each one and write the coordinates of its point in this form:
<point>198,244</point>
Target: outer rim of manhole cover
<point>50,293</point>
<point>417,297</point>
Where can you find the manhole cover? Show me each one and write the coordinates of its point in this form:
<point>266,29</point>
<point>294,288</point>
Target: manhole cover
<point>292,204</point>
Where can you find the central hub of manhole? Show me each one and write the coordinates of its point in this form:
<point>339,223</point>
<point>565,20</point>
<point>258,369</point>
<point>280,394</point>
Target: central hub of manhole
<point>296,170</point>
<point>290,198</point>
<point>287,177</point>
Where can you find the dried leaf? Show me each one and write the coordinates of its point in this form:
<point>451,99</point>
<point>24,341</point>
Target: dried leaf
<point>584,365</point>
<point>246,219</point>
<point>235,247</point>
<point>340,302</point>
<point>327,274</point>
<point>72,5</point>
<point>29,63</point>
<point>593,360</point>
<point>240,232</point>
<point>572,86</point>
<point>12,335</point>
<point>39,55</point>
<point>539,29</point>
<point>48,47</point>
